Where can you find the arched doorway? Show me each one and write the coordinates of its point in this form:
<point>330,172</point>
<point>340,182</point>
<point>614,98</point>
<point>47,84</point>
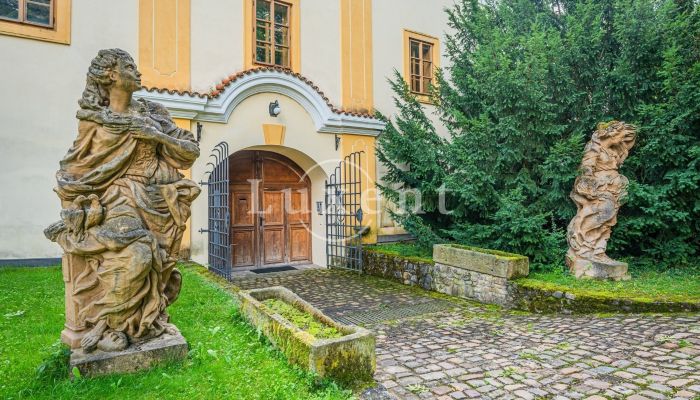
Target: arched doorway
<point>270,210</point>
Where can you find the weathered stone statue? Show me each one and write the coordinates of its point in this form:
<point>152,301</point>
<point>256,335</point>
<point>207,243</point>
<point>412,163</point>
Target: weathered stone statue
<point>125,206</point>
<point>597,194</point>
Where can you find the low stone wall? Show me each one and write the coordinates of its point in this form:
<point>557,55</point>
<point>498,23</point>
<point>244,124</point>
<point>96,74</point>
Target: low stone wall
<point>486,280</point>
<point>408,271</point>
<point>492,289</point>
<point>543,301</point>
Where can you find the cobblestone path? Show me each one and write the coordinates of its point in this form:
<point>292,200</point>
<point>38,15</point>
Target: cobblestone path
<point>435,347</point>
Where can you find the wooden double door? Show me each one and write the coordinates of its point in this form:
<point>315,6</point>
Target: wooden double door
<point>270,210</point>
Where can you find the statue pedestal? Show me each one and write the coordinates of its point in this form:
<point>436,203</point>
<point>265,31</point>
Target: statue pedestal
<point>590,269</point>
<point>139,356</point>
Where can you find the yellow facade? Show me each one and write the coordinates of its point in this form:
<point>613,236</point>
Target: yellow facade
<point>356,55</point>
<point>164,43</point>
<point>370,205</point>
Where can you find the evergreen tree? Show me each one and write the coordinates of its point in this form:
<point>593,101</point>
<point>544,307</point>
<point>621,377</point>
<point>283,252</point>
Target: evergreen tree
<point>527,84</point>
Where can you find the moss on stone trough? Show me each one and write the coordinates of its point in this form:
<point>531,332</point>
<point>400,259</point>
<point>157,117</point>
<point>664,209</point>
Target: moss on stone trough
<point>348,358</point>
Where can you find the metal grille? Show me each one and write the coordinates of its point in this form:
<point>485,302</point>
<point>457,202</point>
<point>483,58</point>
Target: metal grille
<point>218,227</point>
<point>393,313</point>
<point>344,215</point>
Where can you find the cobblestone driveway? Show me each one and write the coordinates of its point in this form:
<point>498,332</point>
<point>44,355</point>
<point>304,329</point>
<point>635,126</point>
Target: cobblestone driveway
<point>435,347</point>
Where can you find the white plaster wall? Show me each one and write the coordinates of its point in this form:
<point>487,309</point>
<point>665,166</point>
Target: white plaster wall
<point>389,19</point>
<point>40,86</point>
<point>320,46</point>
<point>244,131</point>
<point>216,41</point>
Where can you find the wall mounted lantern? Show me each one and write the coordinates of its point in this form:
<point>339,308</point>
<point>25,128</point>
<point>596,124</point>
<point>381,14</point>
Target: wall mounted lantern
<point>275,108</point>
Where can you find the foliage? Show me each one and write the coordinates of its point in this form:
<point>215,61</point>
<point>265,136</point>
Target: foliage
<point>405,250</point>
<point>302,320</point>
<point>227,358</point>
<point>673,285</point>
<point>527,84</point>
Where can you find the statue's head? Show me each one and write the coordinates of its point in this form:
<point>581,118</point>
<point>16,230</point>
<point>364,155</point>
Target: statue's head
<point>111,69</point>
<point>617,136</point>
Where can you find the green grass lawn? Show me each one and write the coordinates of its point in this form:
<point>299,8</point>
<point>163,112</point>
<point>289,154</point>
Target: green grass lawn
<point>677,285</point>
<point>227,357</point>
<point>647,284</point>
<point>405,250</point>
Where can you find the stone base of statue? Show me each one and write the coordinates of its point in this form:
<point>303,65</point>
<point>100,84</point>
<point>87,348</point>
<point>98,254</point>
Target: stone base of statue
<point>597,269</point>
<point>163,349</point>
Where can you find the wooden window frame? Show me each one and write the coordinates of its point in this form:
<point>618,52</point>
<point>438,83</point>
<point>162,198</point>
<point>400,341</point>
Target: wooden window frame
<point>57,32</point>
<point>272,45</point>
<point>293,35</point>
<point>22,14</point>
<point>409,37</point>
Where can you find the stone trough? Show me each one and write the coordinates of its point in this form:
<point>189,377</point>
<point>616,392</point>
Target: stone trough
<point>349,359</point>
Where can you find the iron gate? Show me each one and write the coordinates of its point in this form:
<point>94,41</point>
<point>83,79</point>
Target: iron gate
<point>218,227</point>
<point>344,215</point>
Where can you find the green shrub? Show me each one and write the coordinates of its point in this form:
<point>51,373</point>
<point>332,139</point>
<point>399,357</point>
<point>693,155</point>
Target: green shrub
<point>527,83</point>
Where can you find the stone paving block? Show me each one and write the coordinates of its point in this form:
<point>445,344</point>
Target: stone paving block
<point>458,351</point>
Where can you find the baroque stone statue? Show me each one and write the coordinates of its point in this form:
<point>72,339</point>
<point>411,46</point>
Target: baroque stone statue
<point>597,193</point>
<point>125,205</point>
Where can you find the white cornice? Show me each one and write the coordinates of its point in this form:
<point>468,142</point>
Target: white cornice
<point>220,108</point>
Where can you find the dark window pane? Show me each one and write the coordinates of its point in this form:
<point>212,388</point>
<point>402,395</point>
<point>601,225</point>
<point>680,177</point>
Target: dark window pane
<point>262,54</point>
<point>281,14</point>
<point>38,13</point>
<point>281,36</point>
<point>262,10</point>
<point>9,9</point>
<point>47,2</point>
<point>427,52</point>
<point>282,57</point>
<point>415,52</point>
<point>415,67</point>
<point>262,33</point>
<point>426,84</point>
<point>427,69</point>
<point>415,84</point>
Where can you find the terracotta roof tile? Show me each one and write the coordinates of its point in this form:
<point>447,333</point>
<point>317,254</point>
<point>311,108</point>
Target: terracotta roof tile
<point>221,86</point>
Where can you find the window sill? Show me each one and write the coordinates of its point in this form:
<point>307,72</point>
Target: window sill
<point>423,98</point>
<point>60,33</point>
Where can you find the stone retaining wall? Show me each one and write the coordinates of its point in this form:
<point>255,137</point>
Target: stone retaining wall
<point>441,277</point>
<point>543,301</point>
<point>499,290</point>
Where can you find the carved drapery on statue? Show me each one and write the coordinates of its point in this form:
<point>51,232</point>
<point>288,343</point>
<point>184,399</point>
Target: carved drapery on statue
<point>125,206</point>
<point>598,193</point>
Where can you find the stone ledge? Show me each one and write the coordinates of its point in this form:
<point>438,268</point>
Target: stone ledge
<point>545,301</point>
<point>163,349</point>
<point>490,262</point>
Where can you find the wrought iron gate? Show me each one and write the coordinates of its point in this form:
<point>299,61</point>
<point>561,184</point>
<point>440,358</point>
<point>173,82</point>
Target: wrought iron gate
<point>344,214</point>
<point>219,219</point>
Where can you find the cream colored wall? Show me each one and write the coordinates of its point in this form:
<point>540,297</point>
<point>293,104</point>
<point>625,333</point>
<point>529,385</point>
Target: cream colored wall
<point>41,84</point>
<point>320,46</point>
<point>217,43</point>
<point>390,19</point>
<point>244,130</point>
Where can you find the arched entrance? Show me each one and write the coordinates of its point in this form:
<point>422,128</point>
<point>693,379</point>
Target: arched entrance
<point>270,210</point>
